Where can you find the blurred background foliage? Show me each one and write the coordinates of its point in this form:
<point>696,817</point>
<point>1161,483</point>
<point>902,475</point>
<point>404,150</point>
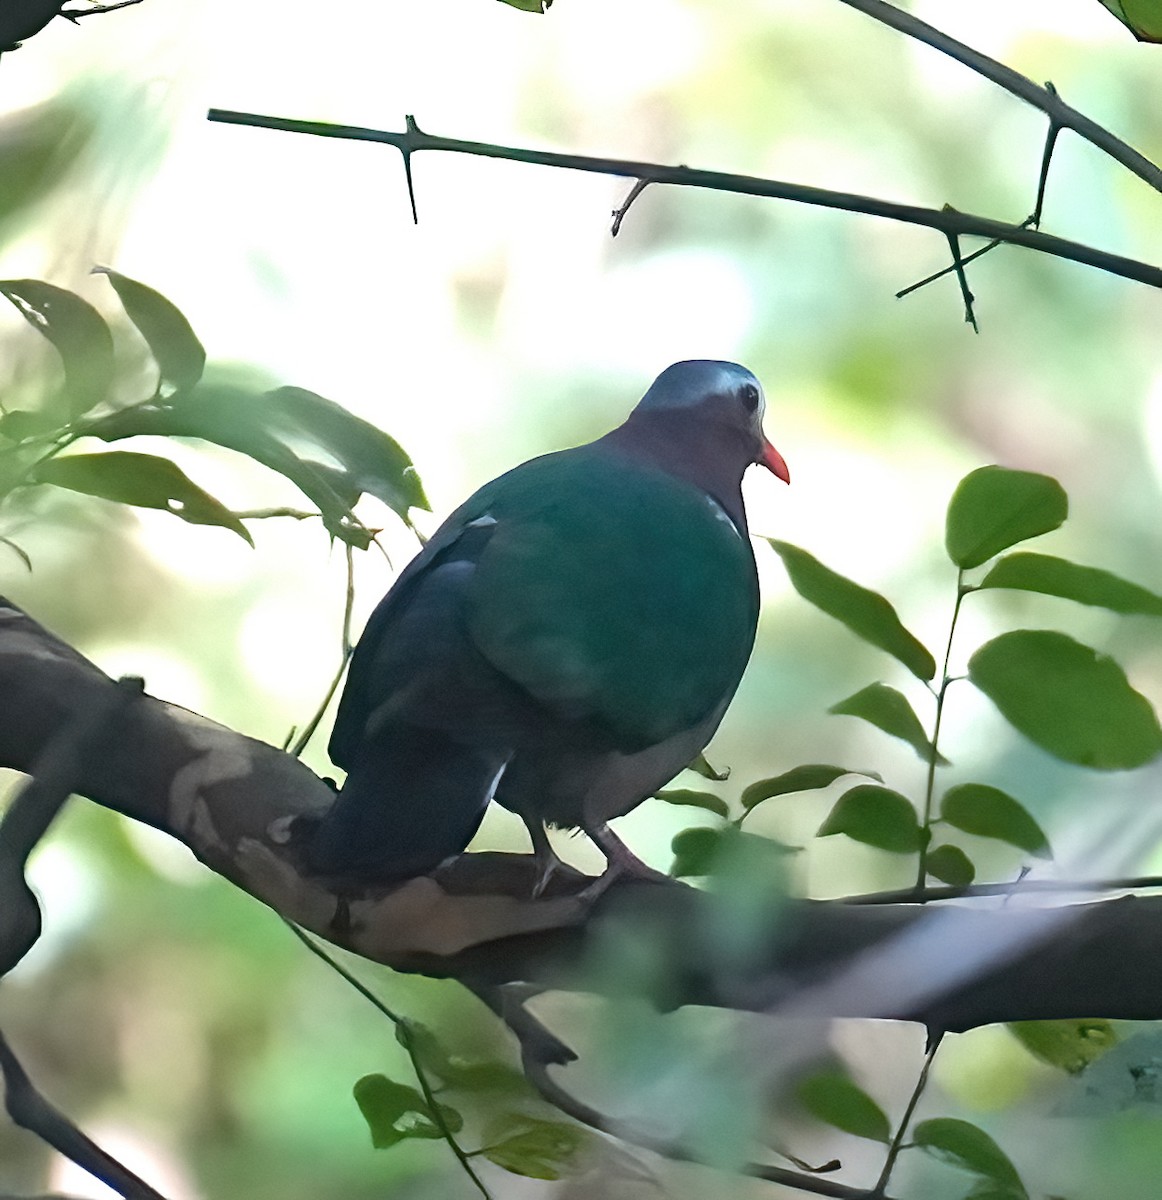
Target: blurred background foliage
<point>174,1017</point>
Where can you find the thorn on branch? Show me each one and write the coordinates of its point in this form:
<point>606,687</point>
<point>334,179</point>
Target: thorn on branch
<point>1051,133</point>
<point>962,279</point>
<point>406,153</point>
<point>915,287</point>
<point>618,214</point>
<point>75,14</point>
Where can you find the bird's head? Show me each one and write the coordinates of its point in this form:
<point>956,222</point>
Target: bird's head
<point>723,394</point>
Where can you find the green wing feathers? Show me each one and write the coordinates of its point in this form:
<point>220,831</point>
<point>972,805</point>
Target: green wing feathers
<point>613,593</point>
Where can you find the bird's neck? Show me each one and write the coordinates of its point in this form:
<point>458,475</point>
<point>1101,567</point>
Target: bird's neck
<point>706,454</point>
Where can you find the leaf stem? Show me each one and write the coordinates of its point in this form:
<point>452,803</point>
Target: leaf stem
<point>934,1040</point>
<point>934,751</point>
<point>401,1023</point>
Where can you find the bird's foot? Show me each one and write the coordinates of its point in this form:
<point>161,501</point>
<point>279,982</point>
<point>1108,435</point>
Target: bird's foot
<point>546,865</point>
<point>545,861</point>
<point>621,863</point>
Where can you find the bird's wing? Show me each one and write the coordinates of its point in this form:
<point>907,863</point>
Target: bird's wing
<point>614,593</point>
<point>574,588</point>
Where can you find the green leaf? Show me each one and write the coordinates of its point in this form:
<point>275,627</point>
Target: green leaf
<point>866,613</point>
<point>77,331</point>
<point>1059,577</point>
<point>806,778</point>
<point>394,1112</point>
<point>988,812</point>
<point>876,816</point>
<point>533,1148</point>
<point>1068,699</point>
<point>39,146</point>
<point>179,355</point>
<point>299,438</point>
<point>1125,1077</point>
<point>142,480</point>
<point>990,1189</point>
<point>950,865</point>
<point>993,508</point>
<point>1143,18</point>
<point>889,710</point>
<point>1068,1044</point>
<point>462,1074</point>
<point>494,1078</point>
<point>18,425</point>
<point>685,797</point>
<point>701,766</point>
<point>694,851</point>
<point>533,6</point>
<point>374,462</point>
<point>834,1099</point>
<point>966,1145</point>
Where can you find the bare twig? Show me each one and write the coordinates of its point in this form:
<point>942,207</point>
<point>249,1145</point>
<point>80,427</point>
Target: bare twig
<point>1032,221</point>
<point>30,1110</point>
<point>975,890</point>
<point>75,14</point>
<point>300,743</point>
<point>639,186</point>
<point>265,514</point>
<point>905,1121</point>
<point>962,279</point>
<point>1044,98</point>
<point>948,222</point>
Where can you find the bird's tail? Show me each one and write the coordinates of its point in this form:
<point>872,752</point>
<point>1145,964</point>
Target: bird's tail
<point>412,798</point>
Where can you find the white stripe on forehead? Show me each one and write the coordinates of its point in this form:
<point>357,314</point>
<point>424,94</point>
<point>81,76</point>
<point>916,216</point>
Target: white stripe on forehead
<point>685,384</point>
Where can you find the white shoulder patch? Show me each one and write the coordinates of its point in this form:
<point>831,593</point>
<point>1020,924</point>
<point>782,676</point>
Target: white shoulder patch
<point>481,522</point>
<point>723,515</point>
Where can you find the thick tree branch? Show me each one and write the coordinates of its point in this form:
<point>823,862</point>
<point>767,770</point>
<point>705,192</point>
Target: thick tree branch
<point>231,799</point>
<point>947,221</point>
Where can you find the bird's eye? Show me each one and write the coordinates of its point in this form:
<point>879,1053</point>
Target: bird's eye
<point>750,397</point>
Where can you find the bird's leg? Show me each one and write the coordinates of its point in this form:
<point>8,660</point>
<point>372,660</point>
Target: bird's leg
<point>620,860</point>
<point>544,856</point>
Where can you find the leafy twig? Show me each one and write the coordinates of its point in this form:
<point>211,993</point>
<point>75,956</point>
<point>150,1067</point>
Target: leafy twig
<point>934,751</point>
<point>945,221</point>
<point>898,1140</point>
<point>408,1042</point>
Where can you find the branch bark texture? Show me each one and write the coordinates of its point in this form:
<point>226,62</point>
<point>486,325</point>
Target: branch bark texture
<point>231,799</point>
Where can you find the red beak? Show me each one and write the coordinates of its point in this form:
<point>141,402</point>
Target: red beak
<point>770,458</point>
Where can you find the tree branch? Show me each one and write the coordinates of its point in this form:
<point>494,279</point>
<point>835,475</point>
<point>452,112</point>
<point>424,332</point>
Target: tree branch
<point>949,222</point>
<point>233,801</point>
<point>29,1109</point>
<point>1044,98</point>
